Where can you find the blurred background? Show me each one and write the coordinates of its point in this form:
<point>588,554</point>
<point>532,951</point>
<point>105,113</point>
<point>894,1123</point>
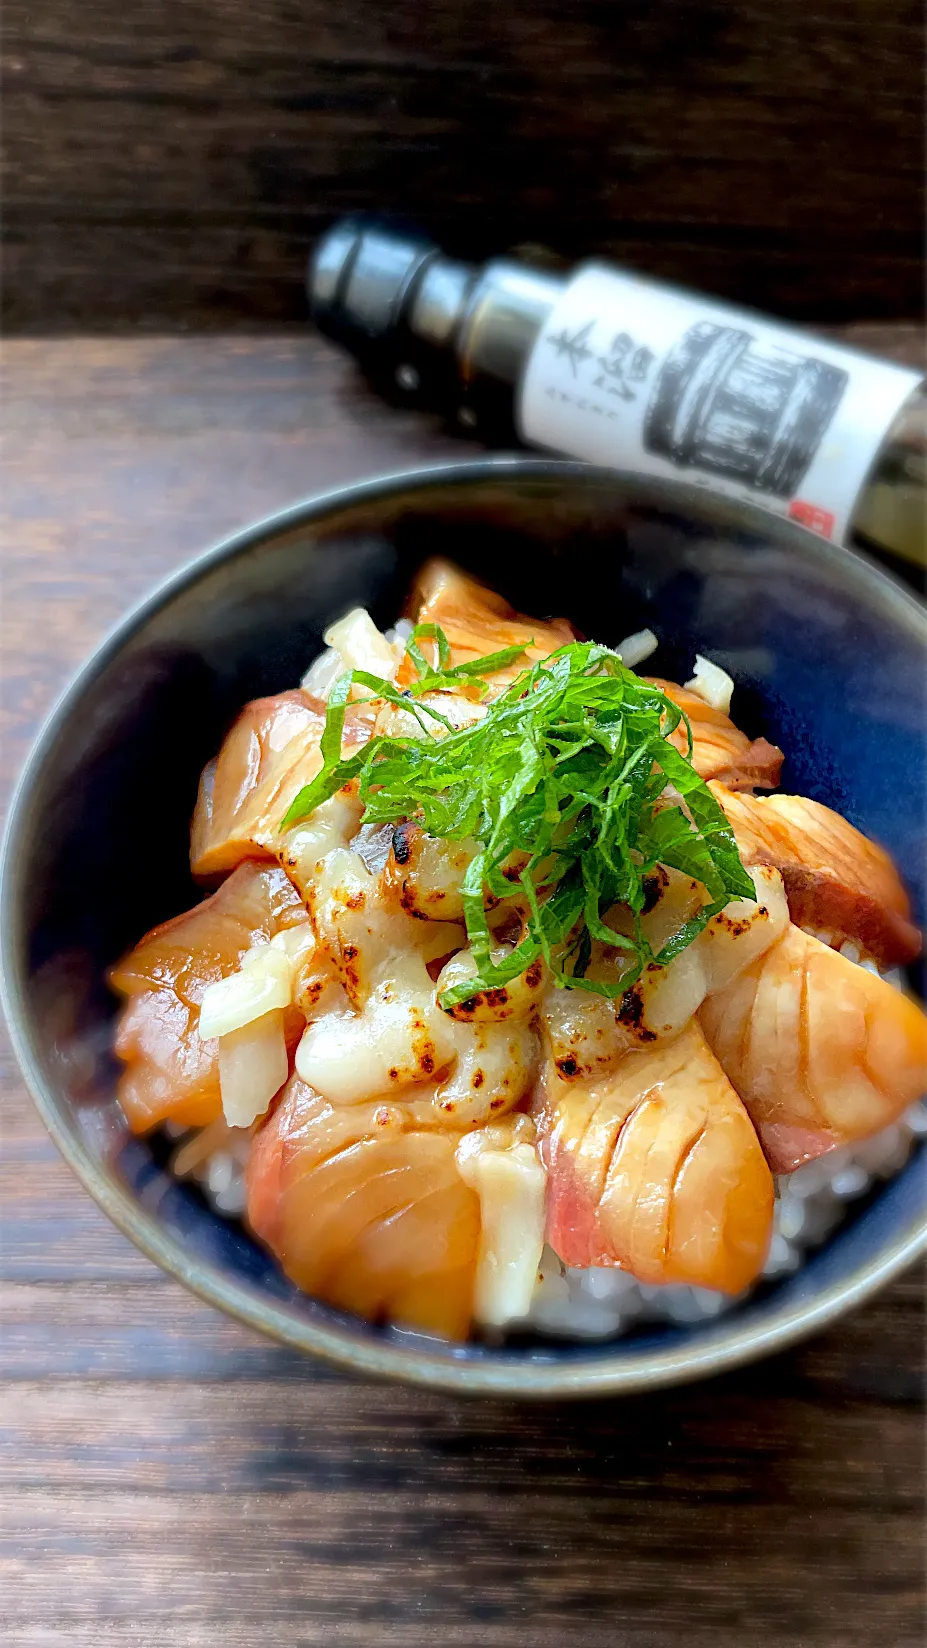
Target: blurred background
<point>169,161</point>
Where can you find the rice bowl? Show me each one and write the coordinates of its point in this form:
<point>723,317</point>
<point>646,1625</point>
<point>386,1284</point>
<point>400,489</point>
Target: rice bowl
<point>304,1004</point>
<point>508,495</point>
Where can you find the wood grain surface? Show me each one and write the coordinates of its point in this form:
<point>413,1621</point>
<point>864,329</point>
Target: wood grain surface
<point>171,160</point>
<point>170,1480</point>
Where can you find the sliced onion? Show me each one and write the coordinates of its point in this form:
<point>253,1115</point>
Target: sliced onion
<point>200,1145</point>
<point>635,648</point>
<point>712,683</point>
<point>253,1066</point>
<point>263,983</point>
<point>296,943</point>
<point>355,643</point>
<point>361,644</point>
<point>322,673</point>
<point>512,1187</point>
<point>270,960</point>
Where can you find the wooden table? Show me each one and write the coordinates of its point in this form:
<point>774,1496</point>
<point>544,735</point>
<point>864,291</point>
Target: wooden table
<point>171,161</point>
<point>170,1480</point>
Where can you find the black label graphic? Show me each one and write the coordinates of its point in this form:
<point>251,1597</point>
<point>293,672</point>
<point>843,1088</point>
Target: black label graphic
<point>623,367</point>
<point>619,371</point>
<point>755,412</point>
<point>573,348</point>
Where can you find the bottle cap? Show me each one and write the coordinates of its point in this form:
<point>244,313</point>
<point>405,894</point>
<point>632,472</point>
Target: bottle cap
<point>359,279</point>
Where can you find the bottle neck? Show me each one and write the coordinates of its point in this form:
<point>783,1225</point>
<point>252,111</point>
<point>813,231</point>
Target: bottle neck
<point>445,331</point>
<point>490,318</point>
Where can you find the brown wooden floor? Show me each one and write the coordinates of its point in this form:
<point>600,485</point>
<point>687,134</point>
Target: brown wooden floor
<point>171,1481</point>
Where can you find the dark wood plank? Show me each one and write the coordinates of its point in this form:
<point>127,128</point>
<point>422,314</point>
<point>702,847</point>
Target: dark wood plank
<point>170,1480</point>
<point>743,1500</point>
<point>124,460</point>
<point>753,1495</point>
<point>172,162</point>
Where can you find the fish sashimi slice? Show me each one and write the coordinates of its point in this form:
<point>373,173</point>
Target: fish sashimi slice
<point>477,621</point>
<point>821,1051</point>
<point>367,1210</point>
<point>719,749</point>
<point>835,877</point>
<point>270,753</point>
<point>170,1074</point>
<point>656,1168</point>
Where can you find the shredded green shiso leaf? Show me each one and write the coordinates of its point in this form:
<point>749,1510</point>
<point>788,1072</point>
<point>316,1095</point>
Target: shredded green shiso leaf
<point>567,771</point>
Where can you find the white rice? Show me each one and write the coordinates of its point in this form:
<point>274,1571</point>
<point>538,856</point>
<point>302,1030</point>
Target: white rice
<point>219,1172</point>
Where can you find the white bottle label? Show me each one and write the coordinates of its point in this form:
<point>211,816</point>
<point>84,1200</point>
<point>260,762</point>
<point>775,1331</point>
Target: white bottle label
<point>643,377</point>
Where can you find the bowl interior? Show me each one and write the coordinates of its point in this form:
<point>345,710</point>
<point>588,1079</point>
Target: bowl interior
<point>829,660</point>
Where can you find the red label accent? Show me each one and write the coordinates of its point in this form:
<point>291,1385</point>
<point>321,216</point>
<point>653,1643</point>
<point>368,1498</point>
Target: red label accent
<point>815,519</point>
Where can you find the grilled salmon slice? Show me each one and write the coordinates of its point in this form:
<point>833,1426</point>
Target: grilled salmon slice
<point>170,1074</point>
<point>835,877</point>
<point>719,749</point>
<point>821,1051</point>
<point>655,1168</point>
<point>477,621</point>
<point>366,1210</point>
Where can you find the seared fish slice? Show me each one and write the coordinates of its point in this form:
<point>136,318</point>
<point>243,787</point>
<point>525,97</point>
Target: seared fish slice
<point>477,621</point>
<point>367,1210</point>
<point>655,1168</point>
<point>821,1051</point>
<point>170,1074</point>
<point>835,877</point>
<point>270,753</point>
<point>719,749</point>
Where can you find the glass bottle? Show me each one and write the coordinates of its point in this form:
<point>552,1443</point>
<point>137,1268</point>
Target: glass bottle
<point>608,366</point>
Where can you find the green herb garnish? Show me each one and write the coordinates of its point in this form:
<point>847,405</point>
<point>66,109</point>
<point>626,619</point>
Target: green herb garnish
<point>562,785</point>
<point>443,674</point>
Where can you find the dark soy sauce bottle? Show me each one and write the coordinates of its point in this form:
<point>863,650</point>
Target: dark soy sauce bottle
<point>605,365</point>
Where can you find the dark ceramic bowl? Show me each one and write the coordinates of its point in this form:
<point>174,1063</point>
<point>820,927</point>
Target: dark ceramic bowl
<point>829,657</point>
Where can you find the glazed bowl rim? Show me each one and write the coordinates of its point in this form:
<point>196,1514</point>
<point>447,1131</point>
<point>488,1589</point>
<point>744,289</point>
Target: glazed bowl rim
<point>347,1345</point>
